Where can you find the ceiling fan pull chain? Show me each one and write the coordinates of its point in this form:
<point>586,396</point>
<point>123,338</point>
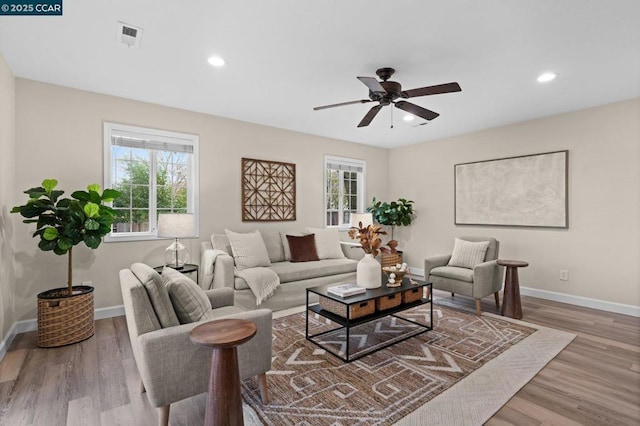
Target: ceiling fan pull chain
<point>392,118</point>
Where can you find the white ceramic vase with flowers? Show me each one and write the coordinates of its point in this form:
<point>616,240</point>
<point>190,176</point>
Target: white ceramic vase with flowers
<point>368,272</point>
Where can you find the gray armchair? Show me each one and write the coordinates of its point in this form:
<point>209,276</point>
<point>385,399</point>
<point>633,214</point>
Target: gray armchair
<point>171,367</point>
<point>484,279</point>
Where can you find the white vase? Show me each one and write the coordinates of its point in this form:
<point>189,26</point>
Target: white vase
<point>369,272</point>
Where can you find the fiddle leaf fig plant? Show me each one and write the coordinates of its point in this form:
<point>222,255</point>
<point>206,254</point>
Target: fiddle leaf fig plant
<point>62,223</point>
<point>395,213</point>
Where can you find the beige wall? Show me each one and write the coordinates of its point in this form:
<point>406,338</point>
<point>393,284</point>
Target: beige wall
<point>7,185</point>
<point>59,135</point>
<point>601,247</point>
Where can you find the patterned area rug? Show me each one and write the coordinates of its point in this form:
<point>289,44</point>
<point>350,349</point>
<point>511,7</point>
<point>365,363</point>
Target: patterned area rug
<point>310,386</point>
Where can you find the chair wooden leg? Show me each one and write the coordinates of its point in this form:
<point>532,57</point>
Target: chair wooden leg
<point>262,383</point>
<point>478,305</point>
<point>497,296</point>
<point>142,389</point>
<point>163,415</point>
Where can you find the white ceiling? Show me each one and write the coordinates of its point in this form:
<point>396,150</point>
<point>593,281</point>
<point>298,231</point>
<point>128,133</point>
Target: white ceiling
<point>286,56</point>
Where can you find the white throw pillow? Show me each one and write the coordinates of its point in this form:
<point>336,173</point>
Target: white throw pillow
<point>249,250</point>
<point>327,243</point>
<point>189,301</point>
<point>467,254</point>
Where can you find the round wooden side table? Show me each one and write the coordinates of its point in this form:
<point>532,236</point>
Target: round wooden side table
<point>511,305</point>
<point>224,401</point>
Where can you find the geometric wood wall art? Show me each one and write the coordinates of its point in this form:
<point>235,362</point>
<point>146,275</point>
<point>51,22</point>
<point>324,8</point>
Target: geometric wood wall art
<point>528,190</point>
<point>268,191</point>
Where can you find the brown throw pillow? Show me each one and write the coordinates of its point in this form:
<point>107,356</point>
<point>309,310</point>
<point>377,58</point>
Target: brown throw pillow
<point>303,249</point>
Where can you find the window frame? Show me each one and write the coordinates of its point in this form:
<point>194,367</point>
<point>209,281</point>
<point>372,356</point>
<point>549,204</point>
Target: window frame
<point>361,187</point>
<point>116,129</point>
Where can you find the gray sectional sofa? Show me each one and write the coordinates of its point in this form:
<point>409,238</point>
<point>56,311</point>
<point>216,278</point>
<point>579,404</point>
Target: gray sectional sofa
<point>217,270</point>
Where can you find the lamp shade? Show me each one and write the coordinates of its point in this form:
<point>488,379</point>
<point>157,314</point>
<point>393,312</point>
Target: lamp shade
<point>176,225</point>
<point>365,218</point>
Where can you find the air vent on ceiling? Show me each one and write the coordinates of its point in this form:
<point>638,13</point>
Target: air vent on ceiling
<point>129,35</point>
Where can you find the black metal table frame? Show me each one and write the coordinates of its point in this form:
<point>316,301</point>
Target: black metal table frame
<point>347,323</point>
<point>186,269</point>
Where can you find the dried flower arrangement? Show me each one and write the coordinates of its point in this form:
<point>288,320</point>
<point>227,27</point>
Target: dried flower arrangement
<point>369,237</point>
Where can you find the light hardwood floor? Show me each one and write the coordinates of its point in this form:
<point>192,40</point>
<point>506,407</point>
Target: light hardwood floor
<point>594,381</point>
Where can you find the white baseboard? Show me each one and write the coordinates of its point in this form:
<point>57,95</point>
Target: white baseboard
<point>603,305</point>
<point>32,325</point>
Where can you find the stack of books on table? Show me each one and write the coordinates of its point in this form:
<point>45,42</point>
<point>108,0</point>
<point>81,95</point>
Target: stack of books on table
<point>346,290</point>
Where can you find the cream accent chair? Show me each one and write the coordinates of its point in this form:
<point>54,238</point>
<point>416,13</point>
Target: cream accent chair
<point>484,279</point>
<point>171,367</point>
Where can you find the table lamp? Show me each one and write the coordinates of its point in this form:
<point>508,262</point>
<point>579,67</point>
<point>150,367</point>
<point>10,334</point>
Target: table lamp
<point>176,225</point>
<point>365,218</point>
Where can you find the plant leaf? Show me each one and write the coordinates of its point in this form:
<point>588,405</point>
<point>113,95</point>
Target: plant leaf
<point>49,184</point>
<point>93,187</point>
<point>109,195</point>
<point>50,234</point>
<point>91,224</point>
<point>91,210</point>
<point>92,241</point>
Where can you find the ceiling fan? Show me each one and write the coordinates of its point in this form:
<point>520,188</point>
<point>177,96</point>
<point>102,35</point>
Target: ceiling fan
<point>386,92</point>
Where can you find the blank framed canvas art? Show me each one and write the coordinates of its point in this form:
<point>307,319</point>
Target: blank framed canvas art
<point>529,190</point>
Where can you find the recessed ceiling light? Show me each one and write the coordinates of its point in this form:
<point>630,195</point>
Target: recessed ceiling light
<point>545,77</point>
<point>216,61</point>
<point>408,117</point>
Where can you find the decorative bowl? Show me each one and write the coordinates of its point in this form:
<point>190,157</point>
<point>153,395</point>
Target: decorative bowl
<point>394,275</point>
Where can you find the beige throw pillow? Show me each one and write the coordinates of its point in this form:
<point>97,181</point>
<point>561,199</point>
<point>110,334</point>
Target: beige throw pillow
<point>189,301</point>
<point>248,249</point>
<point>157,293</point>
<point>327,243</point>
<point>467,254</point>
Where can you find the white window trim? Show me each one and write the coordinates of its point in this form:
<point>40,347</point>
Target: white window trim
<point>361,187</point>
<point>160,136</point>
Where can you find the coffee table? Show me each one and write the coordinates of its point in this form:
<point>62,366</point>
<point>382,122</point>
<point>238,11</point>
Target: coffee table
<point>347,323</point>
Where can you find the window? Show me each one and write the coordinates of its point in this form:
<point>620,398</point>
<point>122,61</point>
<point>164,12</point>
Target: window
<point>156,171</point>
<point>344,189</point>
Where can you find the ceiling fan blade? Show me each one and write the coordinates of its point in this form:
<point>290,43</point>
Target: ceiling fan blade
<point>362,101</point>
<point>370,116</point>
<point>373,84</point>
<point>416,110</point>
<point>432,90</point>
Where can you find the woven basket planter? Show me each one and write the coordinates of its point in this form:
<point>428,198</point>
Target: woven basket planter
<point>391,259</point>
<point>64,319</point>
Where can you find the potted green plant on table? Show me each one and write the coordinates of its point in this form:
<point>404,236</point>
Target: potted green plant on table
<point>65,315</point>
<point>395,213</point>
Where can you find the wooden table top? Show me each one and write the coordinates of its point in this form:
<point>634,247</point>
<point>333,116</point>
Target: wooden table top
<point>512,263</point>
<point>223,333</point>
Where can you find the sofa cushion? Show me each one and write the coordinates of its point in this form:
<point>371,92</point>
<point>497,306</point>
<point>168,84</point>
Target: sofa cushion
<point>285,243</point>
<point>158,294</point>
<point>327,243</point>
<point>289,272</point>
<point>221,242</point>
<point>273,243</point>
<point>303,249</point>
<point>467,254</point>
<point>248,249</point>
<point>189,301</point>
<point>453,272</point>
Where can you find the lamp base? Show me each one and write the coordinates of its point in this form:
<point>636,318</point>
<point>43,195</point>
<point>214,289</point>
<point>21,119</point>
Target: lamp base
<point>176,255</point>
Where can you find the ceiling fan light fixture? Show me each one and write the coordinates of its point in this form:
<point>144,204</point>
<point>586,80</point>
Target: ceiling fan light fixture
<point>546,77</point>
<point>408,117</point>
<point>216,61</point>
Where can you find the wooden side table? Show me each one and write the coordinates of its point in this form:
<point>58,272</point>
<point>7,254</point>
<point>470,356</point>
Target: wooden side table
<point>224,401</point>
<point>511,305</point>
